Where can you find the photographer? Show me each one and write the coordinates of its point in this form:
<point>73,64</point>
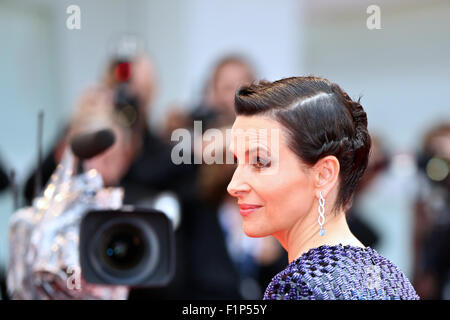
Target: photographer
<point>132,83</point>
<point>432,216</point>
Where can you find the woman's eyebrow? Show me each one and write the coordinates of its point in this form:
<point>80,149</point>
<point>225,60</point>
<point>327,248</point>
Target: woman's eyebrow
<point>257,149</point>
<point>251,150</point>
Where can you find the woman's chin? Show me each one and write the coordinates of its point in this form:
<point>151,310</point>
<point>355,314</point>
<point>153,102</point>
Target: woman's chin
<point>254,231</point>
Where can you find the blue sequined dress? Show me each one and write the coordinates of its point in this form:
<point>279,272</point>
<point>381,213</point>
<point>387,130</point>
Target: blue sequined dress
<point>341,273</point>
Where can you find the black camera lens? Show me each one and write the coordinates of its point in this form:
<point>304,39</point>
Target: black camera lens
<point>122,246</point>
<point>132,247</point>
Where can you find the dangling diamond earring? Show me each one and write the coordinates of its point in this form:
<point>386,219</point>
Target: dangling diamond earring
<point>321,209</point>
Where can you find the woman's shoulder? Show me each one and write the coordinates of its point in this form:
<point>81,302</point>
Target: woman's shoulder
<point>340,272</point>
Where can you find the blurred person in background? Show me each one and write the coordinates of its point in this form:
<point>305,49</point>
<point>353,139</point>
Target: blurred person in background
<point>152,167</point>
<point>217,101</point>
<point>217,104</point>
<point>432,216</point>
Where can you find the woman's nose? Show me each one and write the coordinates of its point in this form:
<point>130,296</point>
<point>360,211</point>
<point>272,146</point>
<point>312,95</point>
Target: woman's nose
<point>237,187</point>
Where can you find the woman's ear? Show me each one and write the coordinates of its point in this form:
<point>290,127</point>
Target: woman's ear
<point>326,174</point>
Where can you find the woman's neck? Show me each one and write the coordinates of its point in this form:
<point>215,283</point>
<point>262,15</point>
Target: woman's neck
<point>304,235</point>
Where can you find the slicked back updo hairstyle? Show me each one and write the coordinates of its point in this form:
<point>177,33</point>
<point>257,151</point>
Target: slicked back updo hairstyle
<point>320,119</point>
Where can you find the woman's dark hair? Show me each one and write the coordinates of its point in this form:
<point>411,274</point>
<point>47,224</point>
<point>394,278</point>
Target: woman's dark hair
<point>320,119</point>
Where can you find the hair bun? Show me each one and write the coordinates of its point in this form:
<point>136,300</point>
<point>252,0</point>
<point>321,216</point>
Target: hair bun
<point>360,121</point>
<point>358,114</point>
<point>361,139</point>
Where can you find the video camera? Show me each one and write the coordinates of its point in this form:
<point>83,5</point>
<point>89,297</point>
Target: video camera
<point>77,224</point>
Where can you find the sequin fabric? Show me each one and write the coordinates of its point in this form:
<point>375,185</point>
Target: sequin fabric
<point>341,273</point>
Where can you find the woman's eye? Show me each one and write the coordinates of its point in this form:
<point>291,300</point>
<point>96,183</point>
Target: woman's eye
<point>260,163</point>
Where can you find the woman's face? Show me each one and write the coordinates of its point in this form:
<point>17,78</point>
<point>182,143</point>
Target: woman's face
<point>274,190</point>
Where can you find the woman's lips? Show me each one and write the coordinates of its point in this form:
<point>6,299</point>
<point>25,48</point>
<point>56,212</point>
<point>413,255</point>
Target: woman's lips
<point>246,209</point>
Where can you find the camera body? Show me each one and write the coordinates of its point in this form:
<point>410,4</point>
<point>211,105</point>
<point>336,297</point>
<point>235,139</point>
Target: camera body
<point>130,246</point>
